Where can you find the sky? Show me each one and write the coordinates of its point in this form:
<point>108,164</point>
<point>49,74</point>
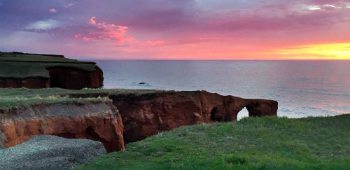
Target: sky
<point>178,29</point>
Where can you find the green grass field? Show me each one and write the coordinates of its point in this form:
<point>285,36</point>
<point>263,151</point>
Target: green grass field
<point>28,65</point>
<point>268,143</point>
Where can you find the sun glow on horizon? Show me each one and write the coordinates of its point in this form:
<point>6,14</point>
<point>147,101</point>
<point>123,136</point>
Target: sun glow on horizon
<point>336,51</point>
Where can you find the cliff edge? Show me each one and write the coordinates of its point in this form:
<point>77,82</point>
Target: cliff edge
<point>127,117</point>
<point>98,121</point>
<point>44,71</point>
<point>149,114</point>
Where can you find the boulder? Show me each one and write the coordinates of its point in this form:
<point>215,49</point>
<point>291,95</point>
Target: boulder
<point>45,152</point>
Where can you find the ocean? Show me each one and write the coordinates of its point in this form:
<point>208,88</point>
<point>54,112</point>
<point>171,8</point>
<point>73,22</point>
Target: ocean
<point>302,88</point>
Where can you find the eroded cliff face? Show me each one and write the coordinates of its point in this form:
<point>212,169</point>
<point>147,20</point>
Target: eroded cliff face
<point>47,70</point>
<point>99,121</point>
<point>32,83</point>
<point>148,114</point>
<point>139,116</point>
<point>71,78</point>
<point>62,77</point>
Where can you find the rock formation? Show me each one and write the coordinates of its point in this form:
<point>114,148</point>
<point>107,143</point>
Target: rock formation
<point>50,153</point>
<point>72,78</point>
<point>43,71</point>
<point>141,116</point>
<point>148,114</point>
<point>62,77</point>
<point>98,121</point>
<point>32,83</point>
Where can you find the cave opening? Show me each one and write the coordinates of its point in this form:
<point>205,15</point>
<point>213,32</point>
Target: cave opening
<point>213,115</point>
<point>55,80</point>
<point>92,135</point>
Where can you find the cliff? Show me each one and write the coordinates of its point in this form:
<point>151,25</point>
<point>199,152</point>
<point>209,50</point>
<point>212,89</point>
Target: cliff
<point>140,115</point>
<point>98,121</point>
<point>148,114</point>
<point>43,71</point>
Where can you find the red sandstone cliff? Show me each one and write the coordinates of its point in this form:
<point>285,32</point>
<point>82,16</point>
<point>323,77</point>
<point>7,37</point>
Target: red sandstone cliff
<point>140,116</point>
<point>32,83</point>
<point>62,77</point>
<point>99,121</point>
<point>71,78</point>
<point>148,114</point>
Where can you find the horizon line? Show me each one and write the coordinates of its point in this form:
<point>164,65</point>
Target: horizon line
<point>214,59</point>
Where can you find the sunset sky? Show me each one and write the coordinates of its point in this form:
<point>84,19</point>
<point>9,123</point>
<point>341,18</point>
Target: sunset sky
<point>178,29</point>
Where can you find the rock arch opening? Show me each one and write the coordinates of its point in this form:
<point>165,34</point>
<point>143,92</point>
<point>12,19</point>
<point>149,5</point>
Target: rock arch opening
<point>242,114</point>
<point>90,133</point>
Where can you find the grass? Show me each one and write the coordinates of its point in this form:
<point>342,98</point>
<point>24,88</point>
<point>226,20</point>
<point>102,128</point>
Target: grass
<point>9,102</point>
<point>25,65</point>
<point>13,92</point>
<point>33,58</point>
<point>10,97</point>
<point>267,143</point>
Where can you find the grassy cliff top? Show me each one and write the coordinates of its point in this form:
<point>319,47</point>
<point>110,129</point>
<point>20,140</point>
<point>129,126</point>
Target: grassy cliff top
<point>10,97</point>
<point>9,102</point>
<point>25,92</point>
<point>23,65</point>
<point>267,143</point>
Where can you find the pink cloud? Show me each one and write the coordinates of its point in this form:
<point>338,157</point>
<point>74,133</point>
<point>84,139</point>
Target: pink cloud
<point>180,42</point>
<point>155,43</point>
<point>105,31</point>
<point>53,10</point>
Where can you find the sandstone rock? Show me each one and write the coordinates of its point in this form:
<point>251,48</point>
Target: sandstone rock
<point>47,70</point>
<point>62,77</point>
<point>261,108</point>
<point>50,153</point>
<point>36,83</point>
<point>98,121</point>
<point>148,114</point>
<point>71,78</point>
<point>141,116</point>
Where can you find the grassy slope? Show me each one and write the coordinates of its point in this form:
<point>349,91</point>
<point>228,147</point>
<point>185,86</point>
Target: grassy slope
<point>23,65</point>
<point>22,96</point>
<point>252,143</point>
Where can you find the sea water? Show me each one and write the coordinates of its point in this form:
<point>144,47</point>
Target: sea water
<point>302,88</point>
